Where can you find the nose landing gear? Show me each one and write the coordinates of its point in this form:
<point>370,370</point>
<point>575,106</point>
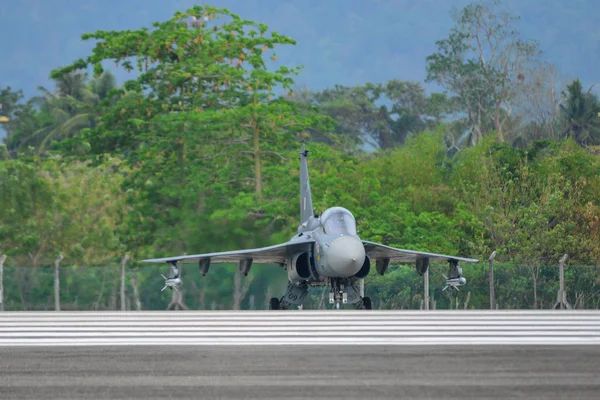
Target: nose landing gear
<point>343,292</point>
<point>338,293</point>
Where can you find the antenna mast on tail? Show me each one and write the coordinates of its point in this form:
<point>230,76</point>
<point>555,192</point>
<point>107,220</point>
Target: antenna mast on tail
<point>306,207</point>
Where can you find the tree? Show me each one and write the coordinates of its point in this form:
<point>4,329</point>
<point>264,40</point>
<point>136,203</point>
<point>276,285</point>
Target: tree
<point>411,111</point>
<point>581,112</point>
<point>62,113</point>
<point>198,126</point>
<point>23,117</point>
<point>539,105</point>
<point>9,106</point>
<point>353,110</point>
<point>26,198</point>
<point>383,115</point>
<point>206,83</point>
<point>485,63</point>
<point>103,86</point>
<point>53,208</point>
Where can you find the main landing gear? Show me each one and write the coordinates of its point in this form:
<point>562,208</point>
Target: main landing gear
<point>342,292</point>
<point>274,304</point>
<point>294,296</point>
<point>366,304</point>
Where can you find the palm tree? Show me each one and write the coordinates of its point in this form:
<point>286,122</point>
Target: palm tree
<point>69,109</point>
<point>103,85</point>
<point>581,113</point>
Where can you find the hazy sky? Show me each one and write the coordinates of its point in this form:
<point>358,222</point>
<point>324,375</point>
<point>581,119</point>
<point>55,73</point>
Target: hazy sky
<point>339,41</point>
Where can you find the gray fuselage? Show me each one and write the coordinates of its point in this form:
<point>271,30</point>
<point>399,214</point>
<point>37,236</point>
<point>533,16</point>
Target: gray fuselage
<point>338,252</point>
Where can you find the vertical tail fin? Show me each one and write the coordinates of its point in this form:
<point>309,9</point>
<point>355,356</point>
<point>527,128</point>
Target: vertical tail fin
<point>306,207</point>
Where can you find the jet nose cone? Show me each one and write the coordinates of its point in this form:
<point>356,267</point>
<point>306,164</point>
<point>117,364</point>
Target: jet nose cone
<point>346,255</point>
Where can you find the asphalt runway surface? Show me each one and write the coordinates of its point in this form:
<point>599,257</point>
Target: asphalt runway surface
<point>300,355</point>
<point>301,372</point>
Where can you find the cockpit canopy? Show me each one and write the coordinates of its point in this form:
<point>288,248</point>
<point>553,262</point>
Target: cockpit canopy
<point>338,220</point>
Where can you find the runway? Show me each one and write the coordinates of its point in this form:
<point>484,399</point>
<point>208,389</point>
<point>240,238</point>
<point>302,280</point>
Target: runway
<point>300,372</point>
<point>443,328</point>
<point>300,355</point>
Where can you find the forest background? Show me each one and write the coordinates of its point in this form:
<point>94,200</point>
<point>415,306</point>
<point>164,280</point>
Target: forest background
<point>196,151</point>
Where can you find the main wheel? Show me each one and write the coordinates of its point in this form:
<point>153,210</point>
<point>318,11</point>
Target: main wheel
<point>367,303</point>
<point>274,304</point>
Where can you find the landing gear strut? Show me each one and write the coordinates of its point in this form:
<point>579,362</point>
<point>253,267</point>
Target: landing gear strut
<point>343,291</point>
<point>294,295</point>
<point>339,292</point>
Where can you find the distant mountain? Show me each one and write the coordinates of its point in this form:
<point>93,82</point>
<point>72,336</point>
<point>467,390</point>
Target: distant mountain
<point>339,41</point>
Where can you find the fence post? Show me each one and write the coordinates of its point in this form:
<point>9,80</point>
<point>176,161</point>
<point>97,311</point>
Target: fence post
<point>2,259</point>
<point>123,262</point>
<point>57,282</point>
<point>491,279</point>
<point>426,289</point>
<point>562,295</point>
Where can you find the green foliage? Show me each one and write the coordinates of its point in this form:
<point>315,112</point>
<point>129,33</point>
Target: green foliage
<point>197,153</point>
<point>581,112</point>
<point>53,207</point>
<point>385,115</point>
<point>27,200</point>
<point>61,114</point>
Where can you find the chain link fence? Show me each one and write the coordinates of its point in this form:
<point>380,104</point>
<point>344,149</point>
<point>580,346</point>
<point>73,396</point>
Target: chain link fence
<point>98,288</point>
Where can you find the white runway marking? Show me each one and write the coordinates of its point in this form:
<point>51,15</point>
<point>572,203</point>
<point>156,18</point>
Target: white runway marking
<point>448,328</point>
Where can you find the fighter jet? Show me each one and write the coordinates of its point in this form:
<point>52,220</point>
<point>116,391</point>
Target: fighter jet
<point>326,251</point>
